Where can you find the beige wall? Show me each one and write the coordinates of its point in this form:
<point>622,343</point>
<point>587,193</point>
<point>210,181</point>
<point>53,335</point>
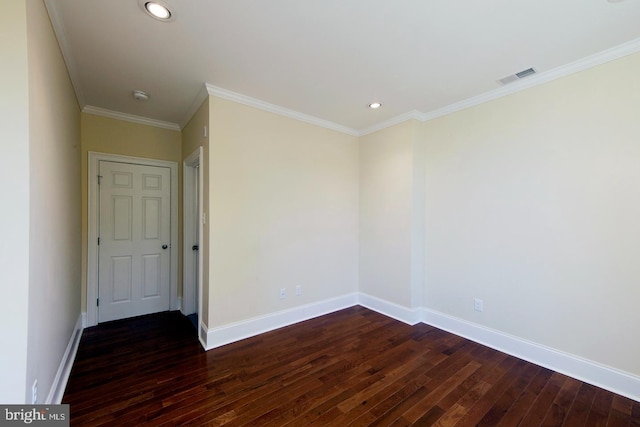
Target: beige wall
<point>533,205</point>
<point>42,265</point>
<point>54,240</point>
<point>112,136</point>
<point>14,218</point>
<point>192,138</point>
<point>283,212</point>
<point>386,211</point>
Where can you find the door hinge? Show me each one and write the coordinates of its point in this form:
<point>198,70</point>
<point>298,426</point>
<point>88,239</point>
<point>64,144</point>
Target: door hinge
<point>98,302</point>
<point>99,179</point>
<point>98,241</point>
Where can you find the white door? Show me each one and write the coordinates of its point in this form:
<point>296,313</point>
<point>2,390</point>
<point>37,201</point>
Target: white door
<point>134,236</point>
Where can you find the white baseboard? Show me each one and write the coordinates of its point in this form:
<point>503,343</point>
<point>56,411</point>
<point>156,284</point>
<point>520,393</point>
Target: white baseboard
<point>64,370</point>
<point>410,316</point>
<point>620,382</point>
<point>202,335</point>
<point>623,383</point>
<point>237,331</point>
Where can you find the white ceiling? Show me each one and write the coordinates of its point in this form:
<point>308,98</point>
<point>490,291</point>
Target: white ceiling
<point>329,59</point>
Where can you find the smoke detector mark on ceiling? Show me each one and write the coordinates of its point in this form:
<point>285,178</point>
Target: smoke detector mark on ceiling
<point>517,76</point>
<point>140,95</point>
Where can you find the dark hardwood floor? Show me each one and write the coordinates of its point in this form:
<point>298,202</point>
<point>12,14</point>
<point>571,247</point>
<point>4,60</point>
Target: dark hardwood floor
<point>353,367</point>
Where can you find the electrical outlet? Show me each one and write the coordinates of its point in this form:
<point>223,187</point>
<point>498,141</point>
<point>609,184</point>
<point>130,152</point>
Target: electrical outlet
<point>478,305</point>
<point>298,290</point>
<point>34,392</point>
<point>283,293</point>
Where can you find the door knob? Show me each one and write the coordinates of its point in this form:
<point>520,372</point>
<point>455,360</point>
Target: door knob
<point>164,246</point>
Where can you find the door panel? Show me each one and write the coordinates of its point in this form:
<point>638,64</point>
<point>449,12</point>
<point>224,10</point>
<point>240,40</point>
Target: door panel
<point>121,278</point>
<point>122,218</point>
<point>134,229</point>
<point>151,217</point>
<point>151,279</point>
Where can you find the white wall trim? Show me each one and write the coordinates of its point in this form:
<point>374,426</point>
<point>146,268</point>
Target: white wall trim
<point>276,109</point>
<point>232,332</point>
<point>599,58</point>
<point>413,114</point>
<point>608,378</point>
<point>594,60</point>
<point>67,55</point>
<point>399,312</point>
<point>623,383</point>
<point>92,227</point>
<point>192,229</point>
<point>97,111</point>
<point>64,370</point>
<point>195,105</point>
<point>202,335</point>
<point>538,79</point>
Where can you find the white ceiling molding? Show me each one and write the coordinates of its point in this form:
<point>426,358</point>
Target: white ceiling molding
<point>414,114</point>
<point>57,18</point>
<point>539,78</point>
<point>262,105</point>
<point>67,56</point>
<point>97,111</point>
<point>195,105</point>
<point>600,58</point>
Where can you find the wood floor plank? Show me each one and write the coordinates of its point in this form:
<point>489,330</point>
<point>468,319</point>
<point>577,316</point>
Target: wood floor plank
<point>545,399</point>
<point>353,367</point>
<point>599,413</point>
<point>394,407</point>
<point>504,402</point>
<point>635,414</point>
<point>430,401</point>
<point>560,406</point>
<point>579,411</point>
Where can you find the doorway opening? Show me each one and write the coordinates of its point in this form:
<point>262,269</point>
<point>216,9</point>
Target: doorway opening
<point>192,239</point>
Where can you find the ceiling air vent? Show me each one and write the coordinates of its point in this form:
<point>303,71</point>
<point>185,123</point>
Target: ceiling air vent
<point>517,76</point>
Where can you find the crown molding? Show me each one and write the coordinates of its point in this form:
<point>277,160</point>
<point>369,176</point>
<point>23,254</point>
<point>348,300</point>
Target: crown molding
<point>97,111</point>
<point>272,108</point>
<point>413,114</point>
<point>599,58</point>
<point>195,105</point>
<point>67,56</point>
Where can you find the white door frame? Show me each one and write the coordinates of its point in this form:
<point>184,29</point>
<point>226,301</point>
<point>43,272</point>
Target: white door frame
<point>92,227</point>
<point>189,226</point>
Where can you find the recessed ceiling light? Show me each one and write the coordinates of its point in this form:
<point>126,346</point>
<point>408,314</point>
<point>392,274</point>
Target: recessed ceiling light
<point>157,9</point>
<point>375,105</point>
